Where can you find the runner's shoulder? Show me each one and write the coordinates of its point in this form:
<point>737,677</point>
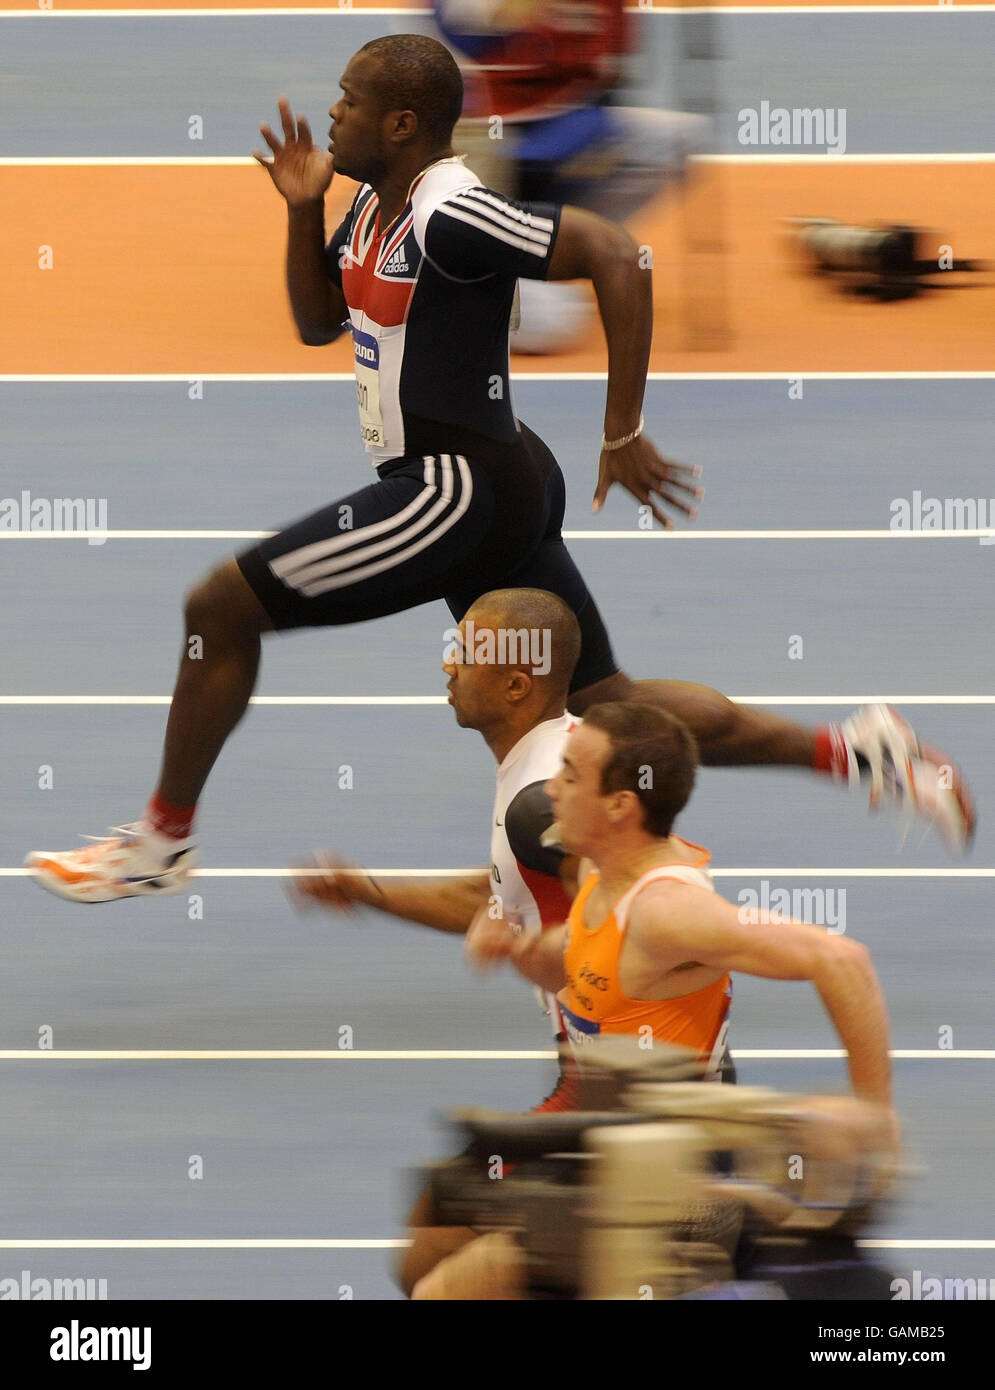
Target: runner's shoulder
<point>527,818</point>
<point>440,183</point>
<point>468,231</point>
<point>671,902</point>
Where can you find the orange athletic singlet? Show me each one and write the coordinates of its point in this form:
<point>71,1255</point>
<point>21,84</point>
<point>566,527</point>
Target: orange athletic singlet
<point>593,1002</point>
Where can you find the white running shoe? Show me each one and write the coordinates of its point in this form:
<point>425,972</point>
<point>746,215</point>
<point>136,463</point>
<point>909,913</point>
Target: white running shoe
<point>133,862</point>
<point>909,773</point>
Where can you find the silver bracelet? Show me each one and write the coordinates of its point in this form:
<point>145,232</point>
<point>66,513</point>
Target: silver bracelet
<point>626,439</point>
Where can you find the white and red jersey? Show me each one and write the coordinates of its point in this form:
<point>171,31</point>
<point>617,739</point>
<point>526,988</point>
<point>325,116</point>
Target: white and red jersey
<point>525,873</point>
<point>441,277</point>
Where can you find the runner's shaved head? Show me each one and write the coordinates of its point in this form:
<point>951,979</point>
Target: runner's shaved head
<point>419,74</point>
<point>535,609</point>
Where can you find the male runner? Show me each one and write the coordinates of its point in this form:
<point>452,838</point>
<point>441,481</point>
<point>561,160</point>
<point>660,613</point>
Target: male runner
<point>544,119</point>
<point>648,946</point>
<point>521,713</point>
<point>467,499</point>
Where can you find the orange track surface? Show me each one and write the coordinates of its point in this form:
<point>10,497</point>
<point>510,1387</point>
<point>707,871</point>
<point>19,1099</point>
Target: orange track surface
<point>179,269</point>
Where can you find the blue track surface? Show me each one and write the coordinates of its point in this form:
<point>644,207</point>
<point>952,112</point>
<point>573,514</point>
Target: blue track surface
<point>140,80</point>
<point>298,1149</point>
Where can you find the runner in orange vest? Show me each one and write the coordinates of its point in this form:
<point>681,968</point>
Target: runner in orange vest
<point>648,946</point>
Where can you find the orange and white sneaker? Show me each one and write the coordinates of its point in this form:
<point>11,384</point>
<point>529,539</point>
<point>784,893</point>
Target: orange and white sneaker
<point>132,862</point>
<point>924,783</point>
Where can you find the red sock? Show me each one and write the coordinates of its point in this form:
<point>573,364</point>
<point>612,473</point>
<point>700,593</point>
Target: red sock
<point>166,819</point>
<point>831,754</point>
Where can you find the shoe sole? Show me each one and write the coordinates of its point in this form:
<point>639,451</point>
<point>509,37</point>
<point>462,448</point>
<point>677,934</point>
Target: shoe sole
<point>106,892</point>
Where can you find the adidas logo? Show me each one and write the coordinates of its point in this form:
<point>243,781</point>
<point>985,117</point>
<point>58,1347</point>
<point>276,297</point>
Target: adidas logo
<point>395,263</point>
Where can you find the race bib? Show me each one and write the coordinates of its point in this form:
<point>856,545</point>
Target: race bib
<point>580,1031</point>
<point>366,352</point>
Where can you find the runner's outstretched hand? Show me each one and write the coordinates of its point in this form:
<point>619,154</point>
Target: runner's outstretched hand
<point>300,170</point>
<point>644,472</point>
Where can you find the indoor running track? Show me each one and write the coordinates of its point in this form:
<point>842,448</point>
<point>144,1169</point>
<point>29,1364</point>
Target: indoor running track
<point>306,1158</point>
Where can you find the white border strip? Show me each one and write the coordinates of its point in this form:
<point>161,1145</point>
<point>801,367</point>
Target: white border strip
<point>393,1055</point>
<point>470,873</point>
<point>880,534</point>
<point>96,161</point>
<point>400,700</point>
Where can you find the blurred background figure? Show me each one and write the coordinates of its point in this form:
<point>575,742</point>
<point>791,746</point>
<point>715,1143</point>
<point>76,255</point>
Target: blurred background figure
<point>543,120</point>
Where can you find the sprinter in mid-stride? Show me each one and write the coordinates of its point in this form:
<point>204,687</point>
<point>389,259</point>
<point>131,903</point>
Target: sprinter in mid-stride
<point>422,272</point>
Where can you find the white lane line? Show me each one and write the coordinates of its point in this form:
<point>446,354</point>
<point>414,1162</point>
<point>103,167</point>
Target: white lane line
<point>203,1244</point>
<point>332,10</point>
<point>469,873</point>
<point>401,700</point>
<point>264,1055</point>
<point>938,7</point>
<point>927,1244</point>
<point>100,537</point>
<point>732,376</point>
<point>881,534</point>
<point>275,1055</point>
<point>862,699</point>
<point>762,1054</point>
<point>97,161</point>
<point>255,700</point>
<point>976,533</point>
<point>384,1244</point>
<point>142,378</point>
<point>951,157</point>
<point>119,161</point>
<point>899,1054</point>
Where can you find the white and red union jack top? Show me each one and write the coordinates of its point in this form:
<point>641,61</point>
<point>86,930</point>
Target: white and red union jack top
<point>429,301</point>
<point>525,874</point>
